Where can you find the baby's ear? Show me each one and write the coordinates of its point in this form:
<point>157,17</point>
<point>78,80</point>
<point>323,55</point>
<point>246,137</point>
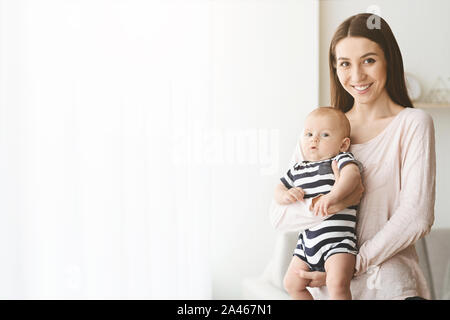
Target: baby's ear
<point>345,144</point>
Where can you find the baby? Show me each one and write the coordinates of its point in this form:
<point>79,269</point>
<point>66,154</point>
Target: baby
<point>331,245</point>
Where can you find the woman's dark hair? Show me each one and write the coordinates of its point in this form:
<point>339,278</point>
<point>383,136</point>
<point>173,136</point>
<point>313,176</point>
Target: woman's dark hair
<point>360,25</point>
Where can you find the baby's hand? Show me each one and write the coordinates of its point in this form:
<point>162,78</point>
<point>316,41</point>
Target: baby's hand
<point>293,194</point>
<point>322,205</point>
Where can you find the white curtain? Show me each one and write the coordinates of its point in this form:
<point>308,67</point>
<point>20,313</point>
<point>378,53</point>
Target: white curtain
<point>99,196</point>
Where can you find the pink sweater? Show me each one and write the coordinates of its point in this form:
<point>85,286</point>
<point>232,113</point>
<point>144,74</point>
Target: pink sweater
<point>396,210</point>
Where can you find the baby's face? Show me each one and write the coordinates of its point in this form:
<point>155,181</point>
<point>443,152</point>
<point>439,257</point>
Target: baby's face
<point>322,138</point>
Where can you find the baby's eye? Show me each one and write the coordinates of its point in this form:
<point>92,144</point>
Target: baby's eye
<point>308,134</point>
<point>325,135</point>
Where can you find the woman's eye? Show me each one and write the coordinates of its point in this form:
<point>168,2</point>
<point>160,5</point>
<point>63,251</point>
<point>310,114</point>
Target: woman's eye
<point>344,64</point>
<point>369,60</point>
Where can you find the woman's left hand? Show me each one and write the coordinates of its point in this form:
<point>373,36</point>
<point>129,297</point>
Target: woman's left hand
<point>318,278</point>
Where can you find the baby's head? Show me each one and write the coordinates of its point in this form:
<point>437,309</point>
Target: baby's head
<point>326,133</point>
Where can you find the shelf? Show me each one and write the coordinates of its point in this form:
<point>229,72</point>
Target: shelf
<point>425,105</point>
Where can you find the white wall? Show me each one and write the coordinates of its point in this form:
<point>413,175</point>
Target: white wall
<point>97,197</point>
<point>422,30</point>
<point>264,82</point>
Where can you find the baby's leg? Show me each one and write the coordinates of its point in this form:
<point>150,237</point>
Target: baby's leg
<point>340,268</point>
<point>294,285</point>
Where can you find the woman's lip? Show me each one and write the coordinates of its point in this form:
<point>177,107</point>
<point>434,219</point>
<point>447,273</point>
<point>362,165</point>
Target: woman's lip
<point>362,91</point>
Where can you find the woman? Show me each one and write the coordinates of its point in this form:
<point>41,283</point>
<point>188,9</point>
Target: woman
<point>395,144</point>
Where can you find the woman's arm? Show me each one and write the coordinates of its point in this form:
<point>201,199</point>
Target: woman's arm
<point>414,216</point>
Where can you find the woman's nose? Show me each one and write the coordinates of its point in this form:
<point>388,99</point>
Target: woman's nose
<point>357,74</point>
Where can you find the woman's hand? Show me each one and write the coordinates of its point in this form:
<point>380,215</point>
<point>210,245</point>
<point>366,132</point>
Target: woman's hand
<point>318,278</point>
<point>353,199</point>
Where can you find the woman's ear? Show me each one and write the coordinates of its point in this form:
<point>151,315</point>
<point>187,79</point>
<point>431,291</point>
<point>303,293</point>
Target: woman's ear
<point>345,144</point>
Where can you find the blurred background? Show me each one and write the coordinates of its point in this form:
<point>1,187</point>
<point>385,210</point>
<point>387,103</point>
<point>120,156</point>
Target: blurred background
<point>140,141</point>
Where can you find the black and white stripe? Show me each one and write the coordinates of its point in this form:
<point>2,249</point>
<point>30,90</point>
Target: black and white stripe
<point>337,233</point>
<point>316,177</point>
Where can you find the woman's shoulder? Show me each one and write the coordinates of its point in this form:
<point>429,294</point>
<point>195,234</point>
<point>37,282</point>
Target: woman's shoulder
<point>414,126</point>
<point>413,117</point>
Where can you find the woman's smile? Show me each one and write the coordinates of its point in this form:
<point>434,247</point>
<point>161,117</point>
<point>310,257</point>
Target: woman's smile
<point>362,89</point>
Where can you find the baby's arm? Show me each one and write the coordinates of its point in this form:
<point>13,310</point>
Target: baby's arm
<point>349,177</point>
<point>284,195</point>
<point>345,185</point>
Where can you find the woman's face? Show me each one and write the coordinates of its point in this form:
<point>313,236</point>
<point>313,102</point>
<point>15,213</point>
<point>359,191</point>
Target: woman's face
<point>361,68</point>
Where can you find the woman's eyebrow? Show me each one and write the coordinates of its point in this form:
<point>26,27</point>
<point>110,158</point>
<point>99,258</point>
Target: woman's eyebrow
<point>368,54</point>
<point>363,56</point>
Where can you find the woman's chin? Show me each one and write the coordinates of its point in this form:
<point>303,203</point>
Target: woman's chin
<point>363,100</point>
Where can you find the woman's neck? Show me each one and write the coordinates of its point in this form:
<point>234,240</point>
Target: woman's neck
<point>381,108</point>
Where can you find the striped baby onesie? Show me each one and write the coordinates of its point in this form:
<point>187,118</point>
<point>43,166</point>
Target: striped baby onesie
<point>336,234</point>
